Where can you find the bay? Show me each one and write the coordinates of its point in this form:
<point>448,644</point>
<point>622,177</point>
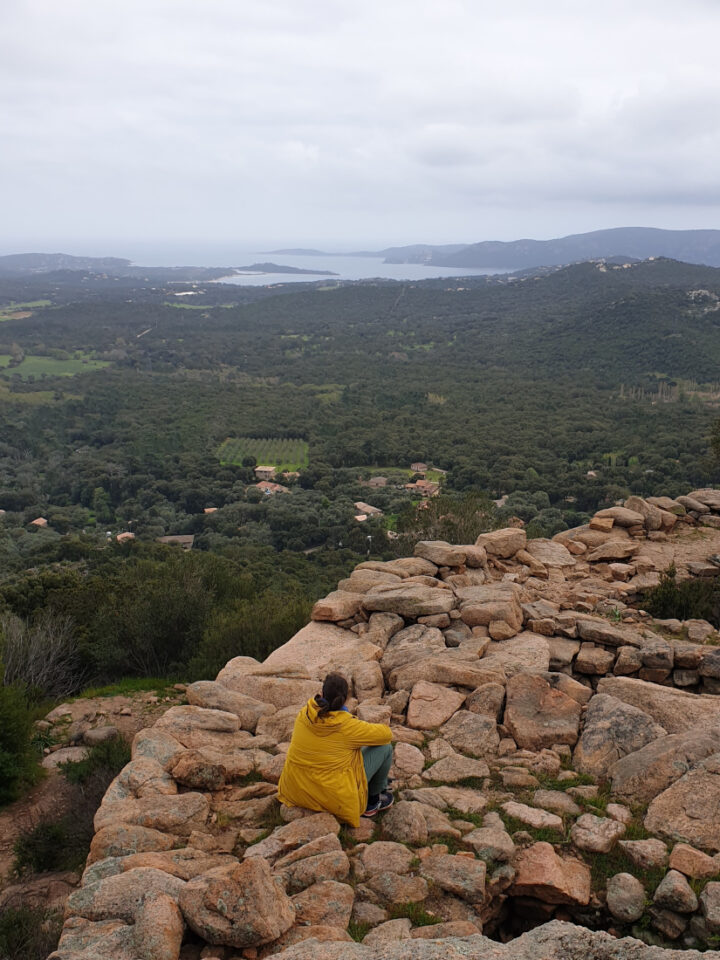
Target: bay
<point>348,267</point>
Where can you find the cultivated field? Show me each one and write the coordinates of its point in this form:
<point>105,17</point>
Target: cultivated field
<point>19,311</point>
<point>281,453</point>
<point>36,366</point>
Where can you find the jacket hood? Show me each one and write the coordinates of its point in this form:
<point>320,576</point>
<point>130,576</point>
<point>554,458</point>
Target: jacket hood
<point>322,726</point>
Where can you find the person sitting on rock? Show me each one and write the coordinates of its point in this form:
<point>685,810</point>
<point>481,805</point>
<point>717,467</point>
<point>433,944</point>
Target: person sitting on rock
<point>335,761</point>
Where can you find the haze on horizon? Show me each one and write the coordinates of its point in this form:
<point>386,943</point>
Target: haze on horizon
<point>344,126</point>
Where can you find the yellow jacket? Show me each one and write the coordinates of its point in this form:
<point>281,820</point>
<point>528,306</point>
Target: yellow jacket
<point>324,765</point>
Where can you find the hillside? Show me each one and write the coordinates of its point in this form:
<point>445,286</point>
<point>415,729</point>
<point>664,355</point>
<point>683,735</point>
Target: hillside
<point>19,265</point>
<point>556,768</point>
<point>554,396</point>
<point>692,246</point>
<point>562,393</point>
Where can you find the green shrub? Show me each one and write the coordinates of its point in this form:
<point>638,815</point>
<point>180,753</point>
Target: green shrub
<point>63,844</point>
<point>688,600</point>
<point>151,615</point>
<point>51,845</point>
<point>28,934</point>
<point>251,627</point>
<point>18,766</point>
<point>105,759</point>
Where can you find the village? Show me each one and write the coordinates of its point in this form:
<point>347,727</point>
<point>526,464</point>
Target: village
<point>267,477</point>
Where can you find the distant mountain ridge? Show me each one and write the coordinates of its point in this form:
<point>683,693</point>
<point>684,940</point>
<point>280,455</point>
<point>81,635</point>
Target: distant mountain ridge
<point>25,263</point>
<point>623,243</point>
<point>690,246</point>
<point>33,264</point>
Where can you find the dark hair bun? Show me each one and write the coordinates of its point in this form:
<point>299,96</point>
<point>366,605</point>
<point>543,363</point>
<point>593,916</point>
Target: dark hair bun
<point>334,694</point>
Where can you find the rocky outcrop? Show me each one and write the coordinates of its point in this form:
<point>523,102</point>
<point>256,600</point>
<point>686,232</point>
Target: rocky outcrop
<point>612,730</point>
<point>689,810</point>
<point>552,941</point>
<point>539,715</point>
<point>532,708</point>
<point>238,905</point>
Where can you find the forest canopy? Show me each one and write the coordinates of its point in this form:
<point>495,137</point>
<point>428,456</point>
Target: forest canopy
<point>126,413</point>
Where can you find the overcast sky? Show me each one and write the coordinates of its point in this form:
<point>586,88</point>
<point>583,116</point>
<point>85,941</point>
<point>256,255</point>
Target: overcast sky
<point>353,122</point>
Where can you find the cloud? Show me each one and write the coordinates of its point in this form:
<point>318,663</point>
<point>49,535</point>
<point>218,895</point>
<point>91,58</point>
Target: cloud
<point>330,118</point>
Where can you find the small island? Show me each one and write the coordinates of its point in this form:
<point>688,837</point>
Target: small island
<point>279,268</point>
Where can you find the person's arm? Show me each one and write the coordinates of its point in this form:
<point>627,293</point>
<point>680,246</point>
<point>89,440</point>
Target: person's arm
<point>359,733</point>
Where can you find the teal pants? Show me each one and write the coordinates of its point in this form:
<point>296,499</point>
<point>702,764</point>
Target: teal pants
<point>377,762</point>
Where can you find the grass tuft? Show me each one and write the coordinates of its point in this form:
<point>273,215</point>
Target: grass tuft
<point>130,685</point>
<point>358,930</point>
<point>552,783</point>
<point>513,825</point>
<point>346,838</point>
<point>261,836</point>
<point>415,912</point>
<point>606,865</point>
<point>271,818</point>
<point>597,804</point>
<point>454,814</point>
<point>474,783</point>
<point>248,779</point>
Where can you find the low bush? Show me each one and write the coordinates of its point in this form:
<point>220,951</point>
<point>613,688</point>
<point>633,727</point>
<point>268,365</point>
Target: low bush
<point>28,934</point>
<point>51,846</point>
<point>104,761</point>
<point>685,600</point>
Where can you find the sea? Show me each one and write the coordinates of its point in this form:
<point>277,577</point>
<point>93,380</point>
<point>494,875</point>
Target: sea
<point>347,267</point>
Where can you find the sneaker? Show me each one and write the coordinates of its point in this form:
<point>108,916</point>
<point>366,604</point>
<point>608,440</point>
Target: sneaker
<point>372,809</point>
<point>385,800</point>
